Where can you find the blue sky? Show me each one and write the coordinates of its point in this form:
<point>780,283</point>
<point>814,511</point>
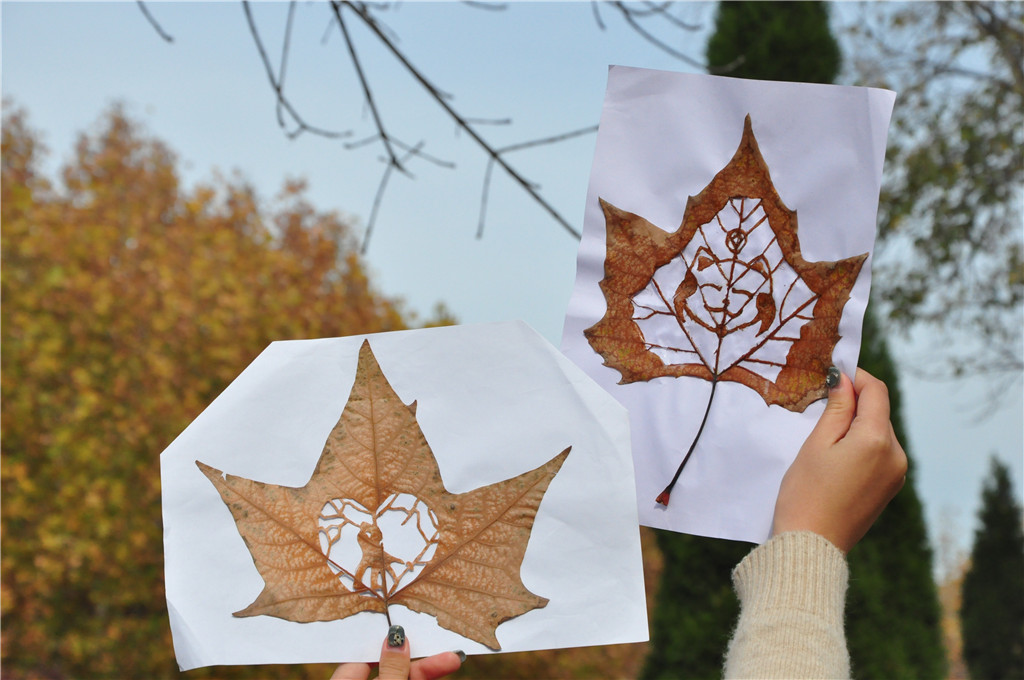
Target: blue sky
<point>542,64</point>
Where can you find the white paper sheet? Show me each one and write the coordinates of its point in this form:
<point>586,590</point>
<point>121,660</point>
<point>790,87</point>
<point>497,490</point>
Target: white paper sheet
<point>663,136</point>
<point>494,400</point>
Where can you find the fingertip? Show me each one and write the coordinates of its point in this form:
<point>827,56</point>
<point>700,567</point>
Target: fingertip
<point>394,656</point>
<point>864,380</point>
<point>842,395</point>
<point>395,639</point>
<point>839,411</point>
<point>872,396</point>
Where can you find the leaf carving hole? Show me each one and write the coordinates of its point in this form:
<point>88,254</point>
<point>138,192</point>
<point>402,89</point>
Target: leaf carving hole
<point>736,299</point>
<point>377,553</point>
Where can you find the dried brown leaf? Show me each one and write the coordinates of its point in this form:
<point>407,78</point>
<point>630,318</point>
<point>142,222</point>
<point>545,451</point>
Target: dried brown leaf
<point>376,473</point>
<point>769,300</point>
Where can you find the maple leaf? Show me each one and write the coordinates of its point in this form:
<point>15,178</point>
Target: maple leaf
<point>320,548</point>
<point>728,296</point>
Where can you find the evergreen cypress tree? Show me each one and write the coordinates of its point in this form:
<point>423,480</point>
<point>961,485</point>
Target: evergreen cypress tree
<point>893,608</point>
<point>992,609</point>
<point>696,607</point>
<point>893,616</point>
<point>774,41</point>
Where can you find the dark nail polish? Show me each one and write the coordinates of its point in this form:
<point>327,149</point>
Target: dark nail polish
<point>461,654</point>
<point>832,379</point>
<point>396,636</point>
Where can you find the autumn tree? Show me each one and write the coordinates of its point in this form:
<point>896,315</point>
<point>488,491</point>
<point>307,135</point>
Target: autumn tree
<point>992,608</point>
<point>129,302</point>
<point>793,41</point>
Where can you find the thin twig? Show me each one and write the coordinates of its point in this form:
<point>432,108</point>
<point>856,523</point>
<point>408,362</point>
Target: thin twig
<point>661,10</point>
<point>379,196</point>
<point>595,8</point>
<point>413,150</point>
<point>489,121</point>
<point>483,199</point>
<point>549,140</point>
<point>517,147</point>
<point>493,6</point>
<point>285,49</point>
<point>276,86</point>
<point>384,138</point>
<point>651,38</point>
<point>153,22</point>
<point>363,14</point>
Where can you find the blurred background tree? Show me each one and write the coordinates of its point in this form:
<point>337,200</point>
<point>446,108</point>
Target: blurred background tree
<point>992,608</point>
<point>951,258</point>
<point>893,613</point>
<point>129,303</point>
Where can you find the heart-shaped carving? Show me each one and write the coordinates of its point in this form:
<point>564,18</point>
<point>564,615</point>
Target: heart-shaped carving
<point>377,552</point>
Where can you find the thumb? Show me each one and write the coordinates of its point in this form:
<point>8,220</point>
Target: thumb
<point>839,412</point>
<point>394,656</point>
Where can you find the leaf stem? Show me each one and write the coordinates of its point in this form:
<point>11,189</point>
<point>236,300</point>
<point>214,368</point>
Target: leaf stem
<point>663,497</point>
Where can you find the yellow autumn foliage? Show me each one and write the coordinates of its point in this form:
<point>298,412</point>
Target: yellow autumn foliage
<point>129,303</point>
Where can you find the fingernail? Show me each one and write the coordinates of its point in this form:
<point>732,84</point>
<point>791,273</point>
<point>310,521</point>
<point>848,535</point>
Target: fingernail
<point>832,378</point>
<point>461,654</point>
<point>396,636</point>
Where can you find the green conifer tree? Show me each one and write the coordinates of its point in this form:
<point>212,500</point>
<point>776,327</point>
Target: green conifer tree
<point>893,609</point>
<point>992,609</point>
<point>774,41</point>
<point>893,616</point>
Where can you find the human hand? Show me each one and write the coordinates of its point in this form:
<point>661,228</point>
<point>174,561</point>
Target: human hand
<point>848,469</point>
<point>395,664</point>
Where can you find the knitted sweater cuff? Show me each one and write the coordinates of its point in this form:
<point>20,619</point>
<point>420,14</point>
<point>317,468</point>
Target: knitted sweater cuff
<point>798,570</point>
<point>792,593</point>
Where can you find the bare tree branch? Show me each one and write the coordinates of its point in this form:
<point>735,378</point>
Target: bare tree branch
<point>493,6</point>
<point>397,153</point>
<point>153,22</point>
<point>301,124</point>
<point>516,147</point>
<point>379,197</point>
<point>630,16</point>
<point>285,49</point>
<point>382,133</point>
<point>595,8</point>
<point>661,9</point>
<point>362,12</point>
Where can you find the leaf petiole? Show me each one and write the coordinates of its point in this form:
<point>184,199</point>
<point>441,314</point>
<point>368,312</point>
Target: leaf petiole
<point>663,497</point>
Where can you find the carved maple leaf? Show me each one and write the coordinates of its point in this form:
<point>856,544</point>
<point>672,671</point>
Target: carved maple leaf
<point>320,548</point>
<point>728,296</point>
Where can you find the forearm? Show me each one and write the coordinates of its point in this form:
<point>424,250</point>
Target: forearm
<point>792,592</point>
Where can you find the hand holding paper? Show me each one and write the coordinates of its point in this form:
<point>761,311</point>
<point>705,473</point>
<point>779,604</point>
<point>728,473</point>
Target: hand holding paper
<point>849,468</point>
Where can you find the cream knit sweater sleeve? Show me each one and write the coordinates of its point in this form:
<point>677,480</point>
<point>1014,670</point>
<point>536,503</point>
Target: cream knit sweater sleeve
<point>792,593</point>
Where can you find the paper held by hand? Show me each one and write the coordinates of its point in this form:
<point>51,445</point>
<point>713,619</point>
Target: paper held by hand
<point>328,498</point>
<point>699,304</point>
